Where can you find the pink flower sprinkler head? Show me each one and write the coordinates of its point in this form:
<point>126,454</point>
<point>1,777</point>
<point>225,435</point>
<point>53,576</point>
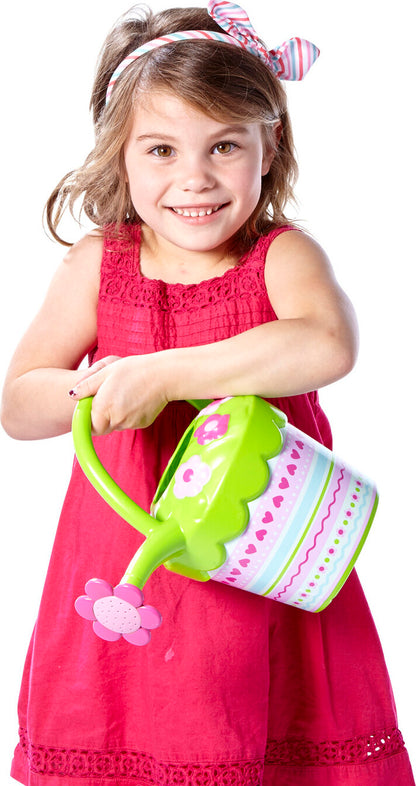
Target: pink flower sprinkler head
<point>117,613</point>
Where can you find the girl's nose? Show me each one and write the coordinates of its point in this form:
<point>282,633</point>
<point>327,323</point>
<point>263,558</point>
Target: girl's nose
<point>197,175</point>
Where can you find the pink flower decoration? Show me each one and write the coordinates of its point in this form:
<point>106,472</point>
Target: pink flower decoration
<point>212,428</point>
<point>191,477</point>
<point>117,612</point>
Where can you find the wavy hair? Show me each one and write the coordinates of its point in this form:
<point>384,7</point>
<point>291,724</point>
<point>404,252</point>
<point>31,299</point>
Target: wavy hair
<point>225,82</point>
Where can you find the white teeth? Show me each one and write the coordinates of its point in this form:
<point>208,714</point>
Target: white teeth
<point>194,213</point>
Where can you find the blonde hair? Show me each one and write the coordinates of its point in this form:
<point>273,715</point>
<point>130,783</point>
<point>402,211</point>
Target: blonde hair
<point>223,81</point>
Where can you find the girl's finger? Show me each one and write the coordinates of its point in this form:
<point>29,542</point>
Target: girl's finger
<point>87,387</point>
<point>91,381</point>
<point>97,366</point>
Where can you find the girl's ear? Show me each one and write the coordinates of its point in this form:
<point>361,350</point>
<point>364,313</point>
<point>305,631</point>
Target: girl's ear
<point>270,150</point>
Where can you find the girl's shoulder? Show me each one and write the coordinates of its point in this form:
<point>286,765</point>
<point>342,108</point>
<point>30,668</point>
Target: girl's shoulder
<point>87,251</point>
<point>300,279</point>
<point>293,251</point>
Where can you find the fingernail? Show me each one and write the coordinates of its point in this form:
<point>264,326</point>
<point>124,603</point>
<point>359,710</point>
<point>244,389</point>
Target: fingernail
<point>73,392</point>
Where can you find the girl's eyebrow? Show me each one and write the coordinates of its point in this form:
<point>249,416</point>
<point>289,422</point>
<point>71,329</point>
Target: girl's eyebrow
<point>155,135</point>
<point>223,132</point>
<point>233,129</point>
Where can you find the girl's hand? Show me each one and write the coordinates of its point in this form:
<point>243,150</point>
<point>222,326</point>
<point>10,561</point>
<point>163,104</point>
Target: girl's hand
<point>128,392</point>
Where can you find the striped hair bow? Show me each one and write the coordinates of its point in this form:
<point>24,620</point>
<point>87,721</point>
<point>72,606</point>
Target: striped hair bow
<point>291,61</point>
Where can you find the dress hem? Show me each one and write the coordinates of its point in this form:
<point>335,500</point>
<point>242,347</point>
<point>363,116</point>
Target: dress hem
<point>362,761</point>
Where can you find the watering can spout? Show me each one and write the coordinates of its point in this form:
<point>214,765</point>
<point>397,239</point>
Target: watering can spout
<point>165,542</point>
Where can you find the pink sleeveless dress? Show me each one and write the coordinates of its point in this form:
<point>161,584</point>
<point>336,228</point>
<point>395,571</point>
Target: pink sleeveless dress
<point>233,689</point>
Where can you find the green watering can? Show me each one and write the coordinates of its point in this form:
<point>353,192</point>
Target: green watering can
<point>247,500</point>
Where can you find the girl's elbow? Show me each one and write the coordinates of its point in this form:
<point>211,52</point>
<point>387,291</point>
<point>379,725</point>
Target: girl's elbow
<point>11,416</point>
<point>10,420</point>
<point>9,426</point>
<point>347,361</point>
<point>344,335</point>
<point>344,355</point>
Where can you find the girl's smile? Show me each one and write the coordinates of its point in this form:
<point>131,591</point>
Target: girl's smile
<point>193,180</point>
<point>196,211</point>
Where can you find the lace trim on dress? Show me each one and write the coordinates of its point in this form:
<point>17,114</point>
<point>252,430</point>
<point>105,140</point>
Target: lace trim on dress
<point>121,280</point>
<point>121,286</point>
<point>125,764</point>
<point>80,763</point>
<point>358,750</point>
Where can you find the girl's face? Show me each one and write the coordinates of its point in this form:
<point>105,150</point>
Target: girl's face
<point>193,181</point>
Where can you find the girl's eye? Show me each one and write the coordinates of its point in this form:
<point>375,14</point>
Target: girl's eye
<point>225,147</point>
<point>162,151</point>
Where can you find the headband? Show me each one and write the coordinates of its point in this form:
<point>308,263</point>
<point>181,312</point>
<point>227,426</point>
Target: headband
<point>292,60</point>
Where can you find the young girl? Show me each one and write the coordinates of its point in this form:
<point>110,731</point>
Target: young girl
<point>194,285</point>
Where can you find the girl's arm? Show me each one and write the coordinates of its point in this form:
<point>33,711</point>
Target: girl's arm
<point>35,397</point>
<point>313,343</point>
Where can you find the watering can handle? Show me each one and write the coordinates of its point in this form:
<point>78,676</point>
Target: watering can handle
<point>99,477</point>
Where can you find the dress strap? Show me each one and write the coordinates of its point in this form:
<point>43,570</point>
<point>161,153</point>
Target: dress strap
<point>259,251</point>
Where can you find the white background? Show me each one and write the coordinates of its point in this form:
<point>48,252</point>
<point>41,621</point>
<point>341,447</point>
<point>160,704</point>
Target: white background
<point>354,130</point>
